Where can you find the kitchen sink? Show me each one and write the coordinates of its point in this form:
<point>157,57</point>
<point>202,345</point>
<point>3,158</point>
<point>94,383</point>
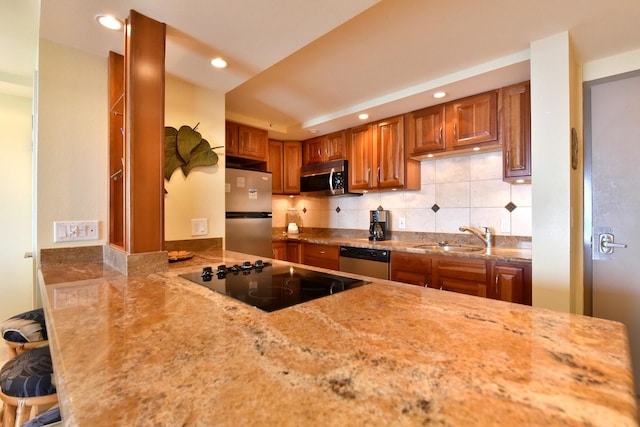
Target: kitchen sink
<point>450,247</point>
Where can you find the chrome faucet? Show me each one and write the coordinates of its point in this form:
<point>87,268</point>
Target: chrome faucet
<point>487,237</point>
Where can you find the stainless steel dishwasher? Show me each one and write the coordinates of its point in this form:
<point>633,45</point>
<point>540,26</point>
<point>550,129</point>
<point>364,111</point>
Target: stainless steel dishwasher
<point>364,261</point>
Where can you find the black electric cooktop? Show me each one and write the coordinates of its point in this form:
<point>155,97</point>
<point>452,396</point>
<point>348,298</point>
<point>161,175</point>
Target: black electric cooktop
<point>271,286</point>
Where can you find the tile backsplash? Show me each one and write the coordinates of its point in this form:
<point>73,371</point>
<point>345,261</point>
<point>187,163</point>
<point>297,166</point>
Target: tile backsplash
<point>463,190</point>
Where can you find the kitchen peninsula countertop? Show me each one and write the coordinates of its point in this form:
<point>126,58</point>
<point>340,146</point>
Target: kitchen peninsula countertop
<point>158,349</point>
<point>506,254</point>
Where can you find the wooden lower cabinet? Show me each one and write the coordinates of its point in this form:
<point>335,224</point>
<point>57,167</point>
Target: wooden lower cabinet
<point>319,255</point>
<point>294,252</point>
<point>287,251</point>
<point>411,268</point>
<point>510,282</point>
<point>465,276</point>
<point>491,279</point>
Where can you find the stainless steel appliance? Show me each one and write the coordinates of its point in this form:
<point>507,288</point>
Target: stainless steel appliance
<point>379,225</point>
<point>326,179</point>
<point>366,262</point>
<point>248,212</point>
<point>271,286</point>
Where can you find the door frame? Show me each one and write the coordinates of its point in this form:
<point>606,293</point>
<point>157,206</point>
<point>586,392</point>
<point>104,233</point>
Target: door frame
<point>588,189</point>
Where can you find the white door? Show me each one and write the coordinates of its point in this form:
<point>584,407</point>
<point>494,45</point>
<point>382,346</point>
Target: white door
<point>612,132</point>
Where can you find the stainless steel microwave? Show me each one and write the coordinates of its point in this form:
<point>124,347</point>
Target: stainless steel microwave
<point>326,179</point>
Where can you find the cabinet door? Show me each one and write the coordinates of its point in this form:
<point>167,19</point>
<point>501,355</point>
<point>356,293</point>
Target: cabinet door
<point>335,146</point>
<point>414,269</point>
<point>292,160</point>
<point>294,252</point>
<point>389,146</point>
<point>427,131</point>
<point>275,166</point>
<point>474,120</point>
<point>361,161</point>
<point>511,282</point>
<point>279,250</point>
<point>312,151</point>
<point>231,138</point>
<point>516,132</point>
<point>252,143</point>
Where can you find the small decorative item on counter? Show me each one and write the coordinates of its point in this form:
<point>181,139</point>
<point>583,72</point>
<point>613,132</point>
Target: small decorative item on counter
<point>175,256</point>
<point>293,228</point>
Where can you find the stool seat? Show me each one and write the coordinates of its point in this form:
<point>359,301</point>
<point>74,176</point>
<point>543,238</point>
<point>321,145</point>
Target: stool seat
<point>27,380</point>
<point>28,375</point>
<point>25,327</point>
<point>24,331</point>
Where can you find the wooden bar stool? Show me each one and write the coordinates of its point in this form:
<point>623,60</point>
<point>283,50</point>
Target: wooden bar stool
<point>26,381</point>
<point>24,331</point>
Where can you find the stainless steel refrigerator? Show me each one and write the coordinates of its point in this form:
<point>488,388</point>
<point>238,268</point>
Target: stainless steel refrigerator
<point>248,207</point>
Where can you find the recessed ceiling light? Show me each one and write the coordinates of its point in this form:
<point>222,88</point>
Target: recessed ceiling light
<point>476,148</point>
<point>218,62</point>
<point>313,130</point>
<point>110,22</point>
<point>363,116</point>
<point>439,94</point>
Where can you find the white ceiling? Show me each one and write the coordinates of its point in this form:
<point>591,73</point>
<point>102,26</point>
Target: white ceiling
<point>296,65</point>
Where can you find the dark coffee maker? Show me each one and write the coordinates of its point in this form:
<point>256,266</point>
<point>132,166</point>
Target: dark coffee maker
<point>379,225</point>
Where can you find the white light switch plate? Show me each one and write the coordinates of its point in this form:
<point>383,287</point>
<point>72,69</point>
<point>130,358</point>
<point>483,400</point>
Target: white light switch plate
<point>71,231</point>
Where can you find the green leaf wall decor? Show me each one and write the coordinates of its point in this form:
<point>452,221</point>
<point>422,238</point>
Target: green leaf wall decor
<point>186,149</point>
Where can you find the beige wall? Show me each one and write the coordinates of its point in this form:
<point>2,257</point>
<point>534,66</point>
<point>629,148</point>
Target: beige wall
<point>551,192</point>
<point>73,147</point>
<point>201,194</point>
<point>72,141</point>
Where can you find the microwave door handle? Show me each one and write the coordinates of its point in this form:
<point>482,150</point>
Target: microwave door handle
<point>331,179</point>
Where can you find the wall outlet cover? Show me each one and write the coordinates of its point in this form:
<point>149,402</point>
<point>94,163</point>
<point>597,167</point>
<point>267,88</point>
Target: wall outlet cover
<point>71,231</point>
<point>199,227</point>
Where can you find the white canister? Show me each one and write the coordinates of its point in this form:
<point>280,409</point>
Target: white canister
<point>292,228</point>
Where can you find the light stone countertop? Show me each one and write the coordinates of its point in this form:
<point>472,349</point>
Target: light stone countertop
<point>505,254</point>
<point>159,350</point>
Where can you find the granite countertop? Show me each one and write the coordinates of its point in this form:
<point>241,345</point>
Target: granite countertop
<point>507,254</point>
<point>157,349</point>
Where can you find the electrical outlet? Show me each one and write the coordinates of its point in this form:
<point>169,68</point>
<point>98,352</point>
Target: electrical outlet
<point>505,226</point>
<point>199,227</point>
<point>402,223</point>
<point>71,231</point>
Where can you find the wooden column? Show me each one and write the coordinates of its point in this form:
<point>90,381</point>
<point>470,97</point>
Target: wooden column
<point>144,134</point>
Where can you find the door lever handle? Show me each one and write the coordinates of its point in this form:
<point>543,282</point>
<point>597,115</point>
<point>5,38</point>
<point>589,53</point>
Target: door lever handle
<point>607,245</point>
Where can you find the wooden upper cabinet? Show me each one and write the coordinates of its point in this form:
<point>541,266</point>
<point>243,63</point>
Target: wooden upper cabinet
<point>231,138</point>
<point>361,159</point>
<point>312,151</point>
<point>292,161</point>
<point>426,130</point>
<point>474,120</point>
<point>516,132</point>
<point>335,145</point>
<point>324,148</point>
<point>252,143</point>
<point>275,166</point>
<point>285,159</point>
<point>388,143</point>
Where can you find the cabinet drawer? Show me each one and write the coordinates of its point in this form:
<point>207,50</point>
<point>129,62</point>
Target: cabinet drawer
<point>324,256</point>
<point>465,270</point>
